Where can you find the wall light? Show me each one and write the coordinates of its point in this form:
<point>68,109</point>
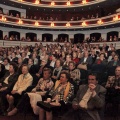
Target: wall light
<point>100,22</point>
<point>68,24</point>
<point>84,2</point>
<point>37,2</point>
<point>3,19</point>
<point>84,24</point>
<point>68,3</point>
<point>52,3</point>
<point>20,21</point>
<point>116,18</point>
<point>52,24</point>
<point>36,23</point>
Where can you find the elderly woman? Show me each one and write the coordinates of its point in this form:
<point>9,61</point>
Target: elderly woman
<point>44,85</point>
<point>57,70</point>
<point>74,75</point>
<point>57,97</point>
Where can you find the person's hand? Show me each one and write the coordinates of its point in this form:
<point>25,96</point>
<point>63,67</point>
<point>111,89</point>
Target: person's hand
<point>116,87</point>
<point>54,77</point>
<point>75,106</point>
<point>38,75</point>
<point>107,86</point>
<point>92,87</point>
<point>14,91</point>
<point>3,88</point>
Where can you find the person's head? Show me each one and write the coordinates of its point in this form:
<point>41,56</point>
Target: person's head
<point>13,67</point>
<point>23,54</point>
<point>74,54</point>
<point>117,71</point>
<point>68,58</point>
<point>92,78</point>
<point>64,77</point>
<point>6,61</point>
<point>102,56</point>
<point>20,60</point>
<point>34,55</point>
<point>86,54</point>
<point>113,54</point>
<point>43,62</point>
<point>13,55</point>
<point>71,65</point>
<point>116,58</point>
<point>30,61</point>
<point>54,57</point>
<point>58,63</point>
<point>25,69</point>
<point>47,73</point>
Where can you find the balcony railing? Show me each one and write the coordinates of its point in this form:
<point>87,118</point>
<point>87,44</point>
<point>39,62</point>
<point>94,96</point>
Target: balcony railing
<point>97,22</point>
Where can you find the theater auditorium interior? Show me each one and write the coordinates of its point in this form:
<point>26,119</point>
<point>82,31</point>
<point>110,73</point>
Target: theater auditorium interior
<point>59,59</point>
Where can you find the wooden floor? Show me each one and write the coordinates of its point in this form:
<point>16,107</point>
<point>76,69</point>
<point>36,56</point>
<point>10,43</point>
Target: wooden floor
<point>31,117</point>
<point>109,115</point>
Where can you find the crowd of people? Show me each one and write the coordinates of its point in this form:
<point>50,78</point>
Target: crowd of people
<point>81,40</point>
<point>49,77</point>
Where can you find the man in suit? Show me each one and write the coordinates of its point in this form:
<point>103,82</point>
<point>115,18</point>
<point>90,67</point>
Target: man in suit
<point>89,100</point>
<point>86,59</point>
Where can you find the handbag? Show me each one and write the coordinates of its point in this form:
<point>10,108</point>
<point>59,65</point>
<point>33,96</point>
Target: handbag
<point>46,106</point>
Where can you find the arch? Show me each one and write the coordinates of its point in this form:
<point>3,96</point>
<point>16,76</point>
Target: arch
<point>46,37</point>
<point>14,13</point>
<point>32,36</point>
<point>63,37</point>
<point>112,33</point>
<point>15,35</point>
<point>96,35</point>
<point>79,38</point>
<point>1,34</point>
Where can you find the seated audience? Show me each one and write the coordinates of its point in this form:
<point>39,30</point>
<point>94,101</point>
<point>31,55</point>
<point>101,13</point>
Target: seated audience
<point>57,97</point>
<point>75,58</point>
<point>74,75</point>
<point>57,70</point>
<point>7,83</point>
<point>68,58</point>
<point>6,63</point>
<point>23,82</point>
<point>86,59</point>
<point>44,85</point>
<point>89,100</point>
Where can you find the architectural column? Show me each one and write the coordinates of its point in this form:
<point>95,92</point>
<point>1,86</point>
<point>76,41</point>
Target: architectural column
<point>119,34</point>
<point>39,36</point>
<point>87,35</point>
<point>5,33</point>
<point>71,37</point>
<point>104,36</point>
<point>55,36</point>
<point>22,35</point>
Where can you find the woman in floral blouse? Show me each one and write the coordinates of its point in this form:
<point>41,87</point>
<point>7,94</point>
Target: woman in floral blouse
<point>58,96</point>
<point>44,85</point>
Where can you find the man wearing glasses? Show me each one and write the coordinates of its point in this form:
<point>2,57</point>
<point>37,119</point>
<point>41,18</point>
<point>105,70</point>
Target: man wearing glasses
<point>89,100</point>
